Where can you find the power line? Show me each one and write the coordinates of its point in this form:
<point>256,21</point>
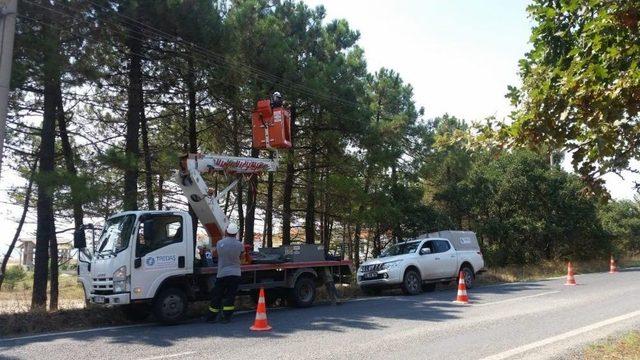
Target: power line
<point>209,56</point>
<point>121,32</point>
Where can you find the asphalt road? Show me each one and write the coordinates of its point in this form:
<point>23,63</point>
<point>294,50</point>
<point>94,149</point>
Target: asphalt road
<point>542,319</point>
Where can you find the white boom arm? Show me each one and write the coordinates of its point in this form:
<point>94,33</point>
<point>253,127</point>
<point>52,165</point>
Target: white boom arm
<point>203,202</point>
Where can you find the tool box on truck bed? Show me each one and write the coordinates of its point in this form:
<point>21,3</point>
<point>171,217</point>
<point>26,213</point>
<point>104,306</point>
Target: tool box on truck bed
<point>296,252</point>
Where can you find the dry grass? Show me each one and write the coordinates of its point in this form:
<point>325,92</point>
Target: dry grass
<point>18,299</point>
<point>41,321</point>
<point>625,347</point>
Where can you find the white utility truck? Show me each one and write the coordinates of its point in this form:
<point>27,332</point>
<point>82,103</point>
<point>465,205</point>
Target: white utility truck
<point>145,261</point>
<point>417,265</point>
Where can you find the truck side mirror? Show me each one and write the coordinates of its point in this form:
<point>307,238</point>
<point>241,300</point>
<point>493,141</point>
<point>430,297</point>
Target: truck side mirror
<point>79,240</point>
<point>147,230</point>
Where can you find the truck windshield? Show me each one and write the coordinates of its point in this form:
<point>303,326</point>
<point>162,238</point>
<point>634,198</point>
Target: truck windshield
<point>400,249</point>
<point>116,234</point>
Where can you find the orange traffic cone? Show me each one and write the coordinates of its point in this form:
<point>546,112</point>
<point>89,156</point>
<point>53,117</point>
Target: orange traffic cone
<point>570,279</point>
<point>462,297</point>
<point>260,324</point>
<point>613,268</point>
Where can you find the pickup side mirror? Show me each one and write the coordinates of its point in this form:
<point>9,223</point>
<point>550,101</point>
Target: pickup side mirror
<point>425,251</point>
<point>147,230</point>
<point>79,240</point>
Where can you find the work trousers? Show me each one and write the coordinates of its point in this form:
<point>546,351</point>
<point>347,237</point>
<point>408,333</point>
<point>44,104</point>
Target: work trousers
<point>223,295</point>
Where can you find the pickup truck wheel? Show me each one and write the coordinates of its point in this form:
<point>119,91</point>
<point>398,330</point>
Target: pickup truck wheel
<point>170,306</point>
<point>412,283</point>
<point>303,293</point>
<point>430,287</point>
<point>136,312</point>
<point>469,276</point>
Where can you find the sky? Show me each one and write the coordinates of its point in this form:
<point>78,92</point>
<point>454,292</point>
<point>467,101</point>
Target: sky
<point>459,56</point>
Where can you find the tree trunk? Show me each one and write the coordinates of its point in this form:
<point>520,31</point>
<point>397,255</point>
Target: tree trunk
<point>25,209</point>
<point>358,228</point>
<point>252,193</point>
<point>53,286</point>
<point>45,228</point>
<point>193,132</point>
<point>269,211</point>
<point>135,109</point>
<point>148,171</point>
<point>289,178</point>
<point>310,214</point>
<point>160,191</point>
<point>236,152</point>
<point>396,228</point>
<point>69,161</point>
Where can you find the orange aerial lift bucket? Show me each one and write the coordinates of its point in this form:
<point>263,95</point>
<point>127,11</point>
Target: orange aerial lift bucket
<point>271,128</point>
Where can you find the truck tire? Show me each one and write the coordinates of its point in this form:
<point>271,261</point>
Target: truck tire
<point>136,312</point>
<point>170,306</point>
<point>303,293</point>
<point>469,276</point>
<point>412,283</point>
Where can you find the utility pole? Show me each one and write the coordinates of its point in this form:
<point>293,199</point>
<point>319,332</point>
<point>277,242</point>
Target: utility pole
<point>8,11</point>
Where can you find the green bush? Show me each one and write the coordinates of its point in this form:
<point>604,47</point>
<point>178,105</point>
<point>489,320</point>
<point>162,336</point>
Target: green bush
<point>14,275</point>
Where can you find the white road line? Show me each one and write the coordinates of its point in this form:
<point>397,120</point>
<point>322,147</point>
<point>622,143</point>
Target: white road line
<point>76,332</point>
<point>170,356</point>
<point>572,333</point>
<point>517,298</point>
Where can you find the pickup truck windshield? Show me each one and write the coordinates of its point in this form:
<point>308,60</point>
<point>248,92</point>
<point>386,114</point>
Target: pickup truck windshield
<point>116,234</point>
<point>401,249</point>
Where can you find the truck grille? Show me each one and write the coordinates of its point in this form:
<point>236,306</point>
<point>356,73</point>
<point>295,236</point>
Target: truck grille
<point>102,285</point>
<point>368,268</point>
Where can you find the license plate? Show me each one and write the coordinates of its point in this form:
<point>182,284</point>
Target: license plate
<point>371,275</point>
<point>98,299</point>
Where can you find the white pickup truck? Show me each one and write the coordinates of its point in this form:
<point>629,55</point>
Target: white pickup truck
<point>419,264</point>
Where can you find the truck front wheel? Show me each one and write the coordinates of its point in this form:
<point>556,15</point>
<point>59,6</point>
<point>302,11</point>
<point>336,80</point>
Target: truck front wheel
<point>411,284</point>
<point>170,306</point>
<point>303,293</point>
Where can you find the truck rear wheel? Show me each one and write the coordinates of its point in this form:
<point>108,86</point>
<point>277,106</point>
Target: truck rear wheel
<point>469,276</point>
<point>170,306</point>
<point>303,293</point>
<point>412,283</point>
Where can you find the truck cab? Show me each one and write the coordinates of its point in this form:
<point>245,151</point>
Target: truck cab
<point>136,253</point>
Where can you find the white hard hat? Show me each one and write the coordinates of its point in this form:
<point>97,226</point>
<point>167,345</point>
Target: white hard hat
<point>232,229</point>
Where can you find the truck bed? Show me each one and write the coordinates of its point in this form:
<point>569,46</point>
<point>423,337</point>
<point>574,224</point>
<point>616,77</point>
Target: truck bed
<point>285,265</point>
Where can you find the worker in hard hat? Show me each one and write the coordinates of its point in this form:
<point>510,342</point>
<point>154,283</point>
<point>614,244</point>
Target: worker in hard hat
<point>228,249</point>
<point>276,100</point>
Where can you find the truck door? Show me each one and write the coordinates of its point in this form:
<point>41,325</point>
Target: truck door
<point>429,266</point>
<point>160,252</point>
<point>447,257</point>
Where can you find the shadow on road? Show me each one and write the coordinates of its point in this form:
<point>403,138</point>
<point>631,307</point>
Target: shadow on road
<point>363,314</point>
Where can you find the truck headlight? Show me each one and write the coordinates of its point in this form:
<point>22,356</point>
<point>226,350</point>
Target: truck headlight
<point>120,279</point>
<point>391,264</point>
